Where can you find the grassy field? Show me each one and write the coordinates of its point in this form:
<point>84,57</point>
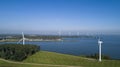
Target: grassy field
<point>19,64</point>
<point>62,59</point>
<point>47,59</point>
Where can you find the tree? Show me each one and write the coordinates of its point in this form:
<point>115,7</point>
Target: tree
<point>17,52</point>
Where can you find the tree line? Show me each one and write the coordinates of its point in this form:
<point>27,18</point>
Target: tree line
<point>17,52</point>
<point>96,56</point>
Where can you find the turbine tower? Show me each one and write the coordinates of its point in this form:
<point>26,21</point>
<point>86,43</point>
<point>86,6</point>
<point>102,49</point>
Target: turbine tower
<point>99,43</point>
<point>23,38</point>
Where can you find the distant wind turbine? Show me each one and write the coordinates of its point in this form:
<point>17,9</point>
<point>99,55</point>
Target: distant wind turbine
<point>78,33</point>
<point>23,39</point>
<point>99,43</point>
<point>59,33</point>
<point>69,33</point>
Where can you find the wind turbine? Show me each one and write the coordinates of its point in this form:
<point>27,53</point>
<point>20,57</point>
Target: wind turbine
<point>78,33</point>
<point>99,43</point>
<point>69,33</point>
<point>23,39</point>
<point>59,33</point>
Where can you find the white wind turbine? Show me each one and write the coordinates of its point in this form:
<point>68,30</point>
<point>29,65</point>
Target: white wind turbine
<point>69,33</point>
<point>59,33</point>
<point>23,39</point>
<point>99,43</point>
<point>78,33</point>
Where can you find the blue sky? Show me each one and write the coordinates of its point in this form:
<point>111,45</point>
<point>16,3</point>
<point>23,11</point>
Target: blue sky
<point>85,16</point>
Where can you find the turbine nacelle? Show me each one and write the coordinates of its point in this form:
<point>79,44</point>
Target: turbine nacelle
<point>99,41</point>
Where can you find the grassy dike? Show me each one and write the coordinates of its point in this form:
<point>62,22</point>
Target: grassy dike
<point>52,58</point>
<point>63,59</point>
<point>5,64</point>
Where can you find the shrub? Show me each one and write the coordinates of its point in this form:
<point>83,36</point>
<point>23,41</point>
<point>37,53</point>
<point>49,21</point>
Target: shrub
<point>17,52</point>
<point>96,56</point>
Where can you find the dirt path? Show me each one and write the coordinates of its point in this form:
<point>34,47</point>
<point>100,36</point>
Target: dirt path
<point>37,64</point>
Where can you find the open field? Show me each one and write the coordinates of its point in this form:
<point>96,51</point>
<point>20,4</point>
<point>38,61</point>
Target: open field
<point>62,59</point>
<point>52,59</point>
<point>6,63</point>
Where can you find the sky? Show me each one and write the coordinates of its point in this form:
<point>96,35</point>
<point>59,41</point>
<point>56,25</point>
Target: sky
<point>84,16</point>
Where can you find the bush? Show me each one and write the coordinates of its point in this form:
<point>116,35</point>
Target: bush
<point>96,56</point>
<point>17,52</point>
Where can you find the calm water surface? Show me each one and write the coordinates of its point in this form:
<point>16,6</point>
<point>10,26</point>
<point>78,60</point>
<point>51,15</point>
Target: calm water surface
<point>84,46</point>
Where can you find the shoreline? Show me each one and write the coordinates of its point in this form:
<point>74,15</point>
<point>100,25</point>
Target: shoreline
<point>30,40</point>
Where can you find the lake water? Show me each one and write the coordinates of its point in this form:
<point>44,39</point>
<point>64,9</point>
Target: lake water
<point>84,46</point>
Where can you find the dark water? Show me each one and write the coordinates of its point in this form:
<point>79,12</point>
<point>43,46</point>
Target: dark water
<point>84,46</point>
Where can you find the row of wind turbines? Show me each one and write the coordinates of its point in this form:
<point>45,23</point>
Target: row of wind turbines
<point>99,44</point>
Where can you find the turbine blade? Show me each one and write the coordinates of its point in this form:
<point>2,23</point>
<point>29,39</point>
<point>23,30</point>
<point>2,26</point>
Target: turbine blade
<point>19,41</point>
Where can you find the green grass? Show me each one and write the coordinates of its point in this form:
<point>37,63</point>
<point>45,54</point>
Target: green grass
<point>22,65</point>
<point>52,58</point>
<point>6,64</point>
<point>45,57</point>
